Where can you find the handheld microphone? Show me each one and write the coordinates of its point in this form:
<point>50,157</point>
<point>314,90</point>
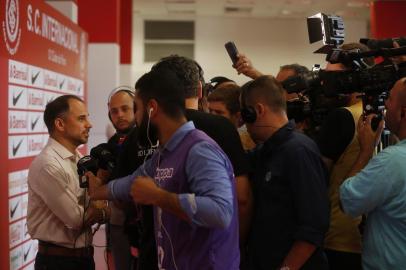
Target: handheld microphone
<point>86,164</point>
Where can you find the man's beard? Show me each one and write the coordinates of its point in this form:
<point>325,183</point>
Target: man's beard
<point>147,140</point>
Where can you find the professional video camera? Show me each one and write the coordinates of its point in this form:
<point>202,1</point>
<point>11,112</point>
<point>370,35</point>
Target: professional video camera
<point>373,82</point>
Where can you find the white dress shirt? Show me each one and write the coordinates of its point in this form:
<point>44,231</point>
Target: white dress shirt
<point>55,200</point>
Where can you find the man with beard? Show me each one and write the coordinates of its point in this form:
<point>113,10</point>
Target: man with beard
<point>121,114</point>
<point>188,180</point>
<point>131,150</point>
<point>56,216</point>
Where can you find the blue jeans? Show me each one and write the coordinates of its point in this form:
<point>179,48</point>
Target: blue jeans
<point>48,262</point>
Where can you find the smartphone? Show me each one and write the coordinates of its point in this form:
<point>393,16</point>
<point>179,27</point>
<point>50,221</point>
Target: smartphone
<point>232,51</point>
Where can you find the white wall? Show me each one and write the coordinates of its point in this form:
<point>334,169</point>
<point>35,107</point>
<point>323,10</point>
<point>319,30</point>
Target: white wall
<point>103,76</point>
<point>269,43</point>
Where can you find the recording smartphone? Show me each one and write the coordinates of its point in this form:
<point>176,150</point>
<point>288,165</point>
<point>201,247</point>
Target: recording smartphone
<point>232,51</point>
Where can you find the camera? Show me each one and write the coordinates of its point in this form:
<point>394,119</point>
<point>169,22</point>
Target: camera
<point>329,28</point>
<point>373,83</point>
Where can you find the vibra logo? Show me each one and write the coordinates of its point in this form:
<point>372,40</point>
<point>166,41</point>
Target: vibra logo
<point>11,26</point>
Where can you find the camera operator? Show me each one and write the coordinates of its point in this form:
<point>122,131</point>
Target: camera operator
<point>59,216</point>
<point>291,210</point>
<point>121,114</point>
<point>377,187</point>
<point>339,147</point>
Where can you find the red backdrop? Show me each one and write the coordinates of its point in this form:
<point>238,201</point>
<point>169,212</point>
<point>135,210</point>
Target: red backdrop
<point>42,55</point>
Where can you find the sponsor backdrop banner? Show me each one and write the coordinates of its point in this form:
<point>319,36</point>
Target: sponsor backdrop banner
<point>42,56</point>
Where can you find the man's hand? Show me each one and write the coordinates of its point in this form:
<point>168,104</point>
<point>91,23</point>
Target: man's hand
<point>94,183</point>
<point>145,191</point>
<point>103,175</point>
<point>97,212</point>
<point>368,138</point>
<point>245,67</point>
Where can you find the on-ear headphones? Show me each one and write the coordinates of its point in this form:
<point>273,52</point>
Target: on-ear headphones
<point>248,114</point>
<point>122,88</point>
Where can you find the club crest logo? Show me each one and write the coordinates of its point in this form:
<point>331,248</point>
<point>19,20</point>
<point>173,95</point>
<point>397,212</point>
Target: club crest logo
<point>11,26</point>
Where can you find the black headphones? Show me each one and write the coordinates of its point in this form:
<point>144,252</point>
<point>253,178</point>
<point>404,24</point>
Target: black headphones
<point>123,88</point>
<point>248,114</point>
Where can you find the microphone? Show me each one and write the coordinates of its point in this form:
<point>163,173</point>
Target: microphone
<point>85,164</point>
<point>103,153</point>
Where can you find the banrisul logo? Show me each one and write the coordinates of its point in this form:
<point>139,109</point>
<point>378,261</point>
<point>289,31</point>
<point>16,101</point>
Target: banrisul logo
<point>11,26</point>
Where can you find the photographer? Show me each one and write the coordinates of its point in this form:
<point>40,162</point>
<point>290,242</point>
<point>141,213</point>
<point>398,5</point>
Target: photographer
<point>377,187</point>
<point>339,147</point>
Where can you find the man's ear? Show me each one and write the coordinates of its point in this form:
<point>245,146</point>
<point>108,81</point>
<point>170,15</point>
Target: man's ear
<point>59,124</point>
<point>260,109</point>
<point>152,107</point>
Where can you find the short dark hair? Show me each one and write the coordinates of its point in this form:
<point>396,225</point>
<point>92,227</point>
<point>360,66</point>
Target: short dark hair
<point>187,70</point>
<point>57,108</point>
<point>298,69</point>
<point>266,88</point>
<point>229,95</point>
<point>164,86</point>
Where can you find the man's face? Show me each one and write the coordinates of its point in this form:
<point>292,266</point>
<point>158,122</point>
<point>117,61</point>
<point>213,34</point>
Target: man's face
<point>219,108</point>
<point>121,108</point>
<point>393,108</point>
<point>76,123</point>
<point>282,75</point>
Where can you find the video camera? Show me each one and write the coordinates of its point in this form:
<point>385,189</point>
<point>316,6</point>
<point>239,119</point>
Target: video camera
<point>373,82</point>
<point>101,157</point>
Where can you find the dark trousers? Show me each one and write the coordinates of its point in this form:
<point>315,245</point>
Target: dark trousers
<point>49,262</point>
<point>338,260</point>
